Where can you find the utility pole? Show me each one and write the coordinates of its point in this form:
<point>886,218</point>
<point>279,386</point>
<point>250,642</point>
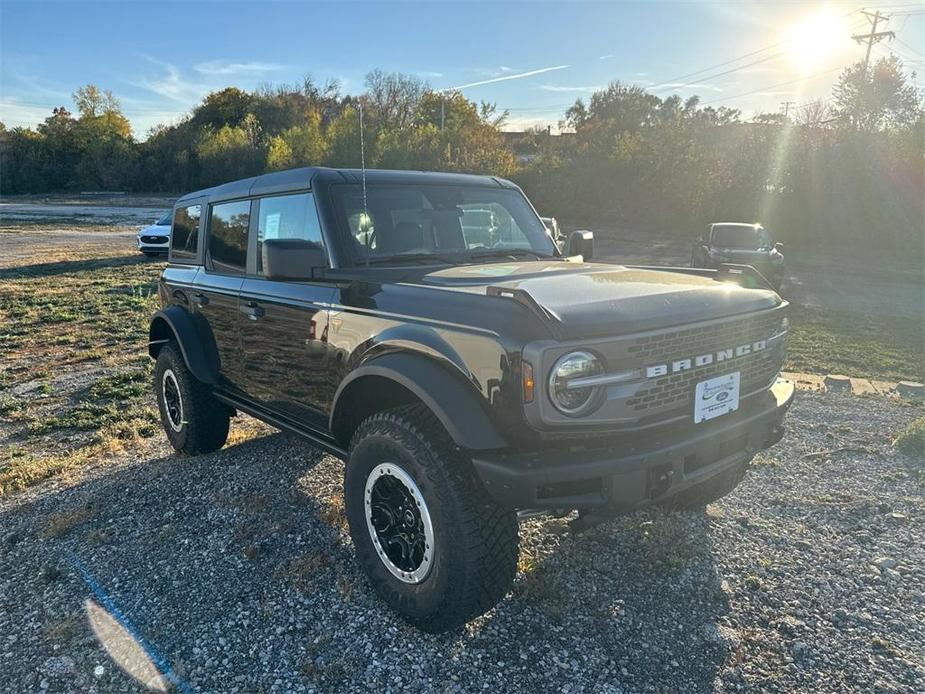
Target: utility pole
<point>785,107</point>
<point>873,36</point>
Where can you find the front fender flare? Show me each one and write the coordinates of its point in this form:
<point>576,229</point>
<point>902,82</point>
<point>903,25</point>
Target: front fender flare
<point>194,340</point>
<point>454,402</point>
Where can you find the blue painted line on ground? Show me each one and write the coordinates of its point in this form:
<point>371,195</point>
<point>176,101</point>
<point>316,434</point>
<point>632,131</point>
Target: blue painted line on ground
<point>162,665</point>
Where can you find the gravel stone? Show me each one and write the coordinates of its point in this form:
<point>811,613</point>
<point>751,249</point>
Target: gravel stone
<point>235,573</point>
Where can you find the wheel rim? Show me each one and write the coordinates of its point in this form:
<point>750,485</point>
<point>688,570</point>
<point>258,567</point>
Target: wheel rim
<point>399,523</point>
<point>173,403</point>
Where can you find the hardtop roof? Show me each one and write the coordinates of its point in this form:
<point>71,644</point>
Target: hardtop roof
<point>290,180</point>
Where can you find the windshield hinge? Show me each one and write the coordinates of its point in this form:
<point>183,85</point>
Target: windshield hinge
<point>524,298</point>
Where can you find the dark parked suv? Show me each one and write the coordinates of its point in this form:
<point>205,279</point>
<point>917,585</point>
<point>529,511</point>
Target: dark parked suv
<point>737,242</point>
<point>467,376</point>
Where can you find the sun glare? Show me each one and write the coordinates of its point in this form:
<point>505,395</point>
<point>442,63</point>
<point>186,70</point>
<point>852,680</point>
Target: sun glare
<point>816,38</point>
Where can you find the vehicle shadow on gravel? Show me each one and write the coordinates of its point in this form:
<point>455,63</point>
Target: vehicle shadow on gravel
<point>67,267</point>
<point>235,570</point>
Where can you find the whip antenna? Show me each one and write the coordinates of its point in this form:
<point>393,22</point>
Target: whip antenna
<point>366,219</point>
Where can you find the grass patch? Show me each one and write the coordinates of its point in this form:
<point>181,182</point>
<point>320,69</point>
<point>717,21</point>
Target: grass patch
<point>825,342</point>
<point>66,312</point>
<point>912,439</point>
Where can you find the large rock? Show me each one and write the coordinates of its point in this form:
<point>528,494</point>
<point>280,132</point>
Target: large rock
<point>910,389</point>
<point>836,383</point>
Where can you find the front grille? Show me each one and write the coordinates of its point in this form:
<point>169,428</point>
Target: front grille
<point>154,239</point>
<point>676,390</point>
<point>655,349</point>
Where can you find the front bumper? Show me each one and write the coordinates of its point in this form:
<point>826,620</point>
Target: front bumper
<point>645,470</point>
<point>153,243</point>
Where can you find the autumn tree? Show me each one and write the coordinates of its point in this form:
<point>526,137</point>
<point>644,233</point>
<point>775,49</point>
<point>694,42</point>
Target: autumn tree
<point>878,98</point>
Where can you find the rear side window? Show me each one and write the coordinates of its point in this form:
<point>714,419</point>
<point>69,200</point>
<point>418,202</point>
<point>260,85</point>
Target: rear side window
<point>287,217</point>
<point>184,238</point>
<point>228,237</point>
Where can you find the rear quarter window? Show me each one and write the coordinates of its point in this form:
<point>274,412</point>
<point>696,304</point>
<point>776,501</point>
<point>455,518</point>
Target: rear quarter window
<point>184,236</point>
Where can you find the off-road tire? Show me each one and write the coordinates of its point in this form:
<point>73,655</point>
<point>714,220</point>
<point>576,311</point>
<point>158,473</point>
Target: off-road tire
<point>475,540</point>
<point>709,491</point>
<point>203,425</point>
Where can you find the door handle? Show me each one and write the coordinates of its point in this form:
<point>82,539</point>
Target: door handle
<point>252,310</point>
<point>200,299</point>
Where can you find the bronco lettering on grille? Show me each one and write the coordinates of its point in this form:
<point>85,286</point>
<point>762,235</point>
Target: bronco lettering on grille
<point>657,370</point>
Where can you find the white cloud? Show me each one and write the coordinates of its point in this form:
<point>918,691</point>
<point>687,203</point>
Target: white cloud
<point>27,115</point>
<point>515,76</point>
<point>568,88</point>
<point>429,74</point>
<point>607,57</point>
<point>227,67</point>
<point>173,85</point>
<point>521,123</point>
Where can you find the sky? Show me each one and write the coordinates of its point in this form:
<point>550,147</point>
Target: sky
<point>533,59</point>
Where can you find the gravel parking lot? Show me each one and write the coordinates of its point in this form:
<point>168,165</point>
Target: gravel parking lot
<point>233,572</point>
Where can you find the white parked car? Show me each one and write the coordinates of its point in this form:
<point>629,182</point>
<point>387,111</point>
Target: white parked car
<point>155,239</point>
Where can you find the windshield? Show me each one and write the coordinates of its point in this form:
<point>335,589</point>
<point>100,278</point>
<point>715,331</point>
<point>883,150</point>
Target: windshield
<point>443,223</point>
<point>741,237</point>
<point>165,220</point>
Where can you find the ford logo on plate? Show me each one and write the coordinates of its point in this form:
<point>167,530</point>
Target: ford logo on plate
<point>722,395</point>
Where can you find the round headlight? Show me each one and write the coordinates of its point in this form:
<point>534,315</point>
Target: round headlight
<point>568,397</point>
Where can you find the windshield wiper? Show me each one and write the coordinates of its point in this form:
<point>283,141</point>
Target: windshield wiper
<point>411,257</point>
<point>508,253</point>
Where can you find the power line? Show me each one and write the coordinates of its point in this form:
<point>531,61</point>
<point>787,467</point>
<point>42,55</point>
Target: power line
<point>724,73</point>
<point>914,50</point>
<point>713,67</point>
<point>773,86</point>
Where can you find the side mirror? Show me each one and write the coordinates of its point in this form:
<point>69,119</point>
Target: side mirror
<point>778,247</point>
<point>581,243</point>
<point>291,259</point>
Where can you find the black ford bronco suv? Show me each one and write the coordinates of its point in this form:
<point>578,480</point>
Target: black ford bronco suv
<point>425,328</point>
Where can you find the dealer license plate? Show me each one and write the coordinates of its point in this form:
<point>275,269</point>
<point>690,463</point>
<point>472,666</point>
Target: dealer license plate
<point>716,397</point>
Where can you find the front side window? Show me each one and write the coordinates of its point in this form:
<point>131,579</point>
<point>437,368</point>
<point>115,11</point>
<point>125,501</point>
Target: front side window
<point>287,217</point>
<point>228,237</point>
<point>184,237</point>
<point>456,222</point>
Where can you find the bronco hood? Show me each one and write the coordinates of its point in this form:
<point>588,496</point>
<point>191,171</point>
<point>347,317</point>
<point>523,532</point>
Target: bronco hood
<point>594,299</point>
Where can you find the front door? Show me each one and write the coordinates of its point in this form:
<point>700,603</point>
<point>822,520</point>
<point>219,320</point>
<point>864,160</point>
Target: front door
<point>285,334</point>
<point>284,324</point>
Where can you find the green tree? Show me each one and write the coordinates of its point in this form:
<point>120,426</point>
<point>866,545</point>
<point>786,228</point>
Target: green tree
<point>307,142</point>
<point>880,98</point>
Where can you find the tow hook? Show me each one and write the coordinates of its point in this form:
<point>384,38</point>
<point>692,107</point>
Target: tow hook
<point>660,480</point>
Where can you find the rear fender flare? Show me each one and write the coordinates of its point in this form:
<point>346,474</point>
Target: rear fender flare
<point>193,337</point>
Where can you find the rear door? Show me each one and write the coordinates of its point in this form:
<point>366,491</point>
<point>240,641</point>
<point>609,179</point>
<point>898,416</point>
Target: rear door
<point>285,324</point>
<point>217,288</point>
